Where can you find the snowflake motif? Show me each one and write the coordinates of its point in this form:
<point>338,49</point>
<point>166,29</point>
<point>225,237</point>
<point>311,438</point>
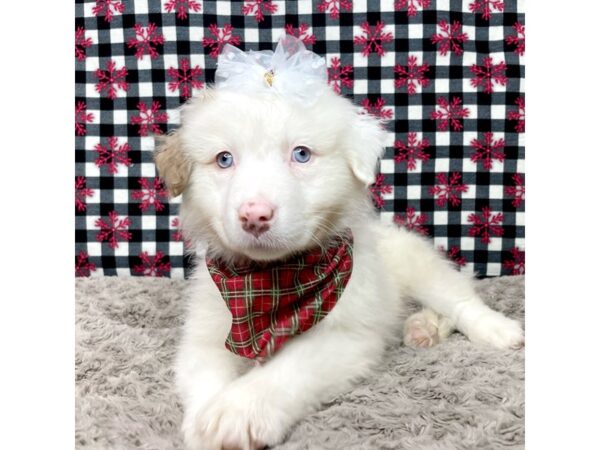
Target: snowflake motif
<point>178,234</point>
<point>301,33</point>
<point>108,8</point>
<point>517,191</point>
<point>112,156</point>
<point>518,115</point>
<point>83,268</point>
<point>377,108</point>
<point>516,265</point>
<point>221,37</point>
<point>412,6</point>
<point>150,195</point>
<point>487,74</point>
<point>485,7</point>
<point>488,150</point>
<point>81,43</point>
<point>333,7</point>
<point>111,80</point>
<point>81,118</point>
<point>373,38</point>
<point>152,266</point>
<point>411,151</point>
<point>113,230</point>
<point>145,40</point>
<point>378,189</point>
<point>184,78</point>
<point>182,7</point>
<point>339,75</point>
<point>454,255</point>
<point>412,221</point>
<point>81,193</point>
<point>450,37</point>
<point>449,114</point>
<point>448,191</point>
<point>257,7</point>
<point>485,225</point>
<point>518,39</point>
<point>149,118</point>
<point>411,75</point>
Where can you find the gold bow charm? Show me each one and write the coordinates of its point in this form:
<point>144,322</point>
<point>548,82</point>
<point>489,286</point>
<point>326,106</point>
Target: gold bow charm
<point>269,77</point>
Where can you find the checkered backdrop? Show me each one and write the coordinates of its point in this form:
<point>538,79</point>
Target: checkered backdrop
<point>448,74</point>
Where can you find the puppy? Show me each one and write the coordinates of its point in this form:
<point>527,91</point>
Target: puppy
<point>268,178</point>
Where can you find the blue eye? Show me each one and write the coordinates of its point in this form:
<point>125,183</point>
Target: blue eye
<point>301,154</point>
<point>224,160</point>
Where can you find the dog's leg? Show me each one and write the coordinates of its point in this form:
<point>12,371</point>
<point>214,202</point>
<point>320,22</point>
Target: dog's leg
<point>260,407</point>
<point>423,273</point>
<point>426,329</point>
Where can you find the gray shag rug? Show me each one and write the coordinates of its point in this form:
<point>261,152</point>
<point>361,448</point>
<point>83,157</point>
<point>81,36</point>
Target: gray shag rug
<point>453,396</point>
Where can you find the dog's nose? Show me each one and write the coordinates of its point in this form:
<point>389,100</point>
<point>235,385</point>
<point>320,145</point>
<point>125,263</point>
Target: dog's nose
<point>255,216</point>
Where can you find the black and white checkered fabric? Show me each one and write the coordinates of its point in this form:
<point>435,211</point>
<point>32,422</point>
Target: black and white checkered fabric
<point>406,76</point>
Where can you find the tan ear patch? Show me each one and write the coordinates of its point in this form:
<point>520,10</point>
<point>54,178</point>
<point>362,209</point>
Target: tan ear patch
<point>173,167</point>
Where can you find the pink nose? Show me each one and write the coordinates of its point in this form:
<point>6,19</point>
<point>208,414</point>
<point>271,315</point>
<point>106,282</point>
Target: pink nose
<point>256,216</point>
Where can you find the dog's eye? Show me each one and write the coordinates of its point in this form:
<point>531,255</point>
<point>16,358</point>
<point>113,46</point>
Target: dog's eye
<point>224,160</point>
<point>301,154</point>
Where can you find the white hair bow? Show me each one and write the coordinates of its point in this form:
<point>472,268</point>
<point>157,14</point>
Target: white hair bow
<point>290,71</point>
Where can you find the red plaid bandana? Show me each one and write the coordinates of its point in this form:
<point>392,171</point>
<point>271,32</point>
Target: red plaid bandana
<point>271,303</point>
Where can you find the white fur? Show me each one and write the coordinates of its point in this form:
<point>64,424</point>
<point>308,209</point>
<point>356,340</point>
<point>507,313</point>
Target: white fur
<point>233,403</point>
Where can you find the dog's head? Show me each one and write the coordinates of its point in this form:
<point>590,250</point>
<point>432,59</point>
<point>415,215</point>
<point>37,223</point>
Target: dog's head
<point>263,177</point>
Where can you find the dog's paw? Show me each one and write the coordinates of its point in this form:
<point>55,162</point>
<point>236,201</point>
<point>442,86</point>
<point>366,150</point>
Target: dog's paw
<point>238,419</point>
<point>420,331</point>
<point>497,330</point>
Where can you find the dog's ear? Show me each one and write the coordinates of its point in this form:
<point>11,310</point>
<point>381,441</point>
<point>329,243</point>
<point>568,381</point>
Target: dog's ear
<point>366,145</point>
<point>173,166</point>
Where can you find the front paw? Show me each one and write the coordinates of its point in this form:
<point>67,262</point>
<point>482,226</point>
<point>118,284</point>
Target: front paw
<point>496,330</point>
<point>238,419</point>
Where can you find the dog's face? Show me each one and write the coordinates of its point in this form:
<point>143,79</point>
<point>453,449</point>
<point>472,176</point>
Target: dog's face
<point>263,177</point>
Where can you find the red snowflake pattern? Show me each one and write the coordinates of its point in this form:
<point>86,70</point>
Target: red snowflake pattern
<point>373,39</point>
<point>113,230</point>
<point>185,78</point>
<point>81,193</point>
<point>377,108</point>
<point>149,118</point>
<point>488,150</point>
<point>258,8</point>
<point>378,189</point>
<point>516,265</point>
<point>486,225</point>
<point>221,36</point>
<point>182,7</point>
<point>412,150</point>
<point>333,7</point>
<point>517,191</point>
<point>518,40</point>
<point>108,8</point>
<point>111,79</point>
<point>150,195</point>
<point>153,266</point>
<point>411,75</point>
<point>411,221</point>
<point>454,255</point>
<point>145,41</point>
<point>114,155</point>
<point>449,114</point>
<point>448,191</point>
<point>450,37</point>
<point>518,115</point>
<point>178,234</point>
<point>81,118</point>
<point>485,7</point>
<point>412,6</point>
<point>488,74</point>
<point>83,267</point>
<point>339,75</point>
<point>301,33</point>
<point>81,43</point>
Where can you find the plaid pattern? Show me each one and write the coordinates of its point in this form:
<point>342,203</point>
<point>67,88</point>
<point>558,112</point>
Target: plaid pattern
<point>270,304</point>
<point>447,74</point>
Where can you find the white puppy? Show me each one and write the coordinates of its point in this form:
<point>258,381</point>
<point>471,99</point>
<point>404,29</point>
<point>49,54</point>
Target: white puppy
<point>263,179</point>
